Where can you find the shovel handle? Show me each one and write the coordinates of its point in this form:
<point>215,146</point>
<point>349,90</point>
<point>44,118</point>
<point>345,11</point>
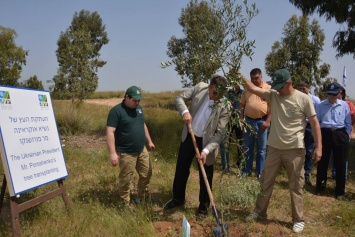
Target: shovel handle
<point>202,168</point>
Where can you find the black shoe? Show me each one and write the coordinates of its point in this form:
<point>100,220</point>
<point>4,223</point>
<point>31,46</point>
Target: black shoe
<point>172,203</point>
<point>319,191</point>
<point>202,213</point>
<point>340,197</point>
<point>308,181</point>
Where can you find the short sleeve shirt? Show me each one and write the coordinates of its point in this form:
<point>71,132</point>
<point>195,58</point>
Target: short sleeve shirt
<point>255,107</point>
<point>335,115</point>
<point>352,111</point>
<point>129,124</point>
<point>288,118</point>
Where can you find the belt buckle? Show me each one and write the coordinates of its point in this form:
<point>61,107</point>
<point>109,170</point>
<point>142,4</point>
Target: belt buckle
<point>333,129</point>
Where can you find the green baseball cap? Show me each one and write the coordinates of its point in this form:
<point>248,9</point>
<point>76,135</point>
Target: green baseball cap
<point>135,92</point>
<point>279,78</point>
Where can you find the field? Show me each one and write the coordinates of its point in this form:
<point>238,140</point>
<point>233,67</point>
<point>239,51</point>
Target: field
<point>92,187</point>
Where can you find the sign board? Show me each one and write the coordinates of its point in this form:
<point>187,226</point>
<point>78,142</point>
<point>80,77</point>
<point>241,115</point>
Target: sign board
<point>186,228</point>
<point>31,151</point>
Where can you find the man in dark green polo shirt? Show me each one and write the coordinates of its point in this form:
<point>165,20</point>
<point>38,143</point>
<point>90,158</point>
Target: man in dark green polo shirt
<point>126,134</point>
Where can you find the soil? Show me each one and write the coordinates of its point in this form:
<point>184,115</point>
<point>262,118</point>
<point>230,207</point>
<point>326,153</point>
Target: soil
<point>165,228</point>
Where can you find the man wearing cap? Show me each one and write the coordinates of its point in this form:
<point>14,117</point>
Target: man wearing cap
<point>304,87</point>
<point>289,108</point>
<point>208,117</point>
<point>342,96</point>
<point>256,112</point>
<point>126,134</point>
<point>335,122</point>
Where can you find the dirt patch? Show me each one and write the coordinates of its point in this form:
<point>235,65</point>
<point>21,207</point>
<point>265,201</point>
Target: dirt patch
<point>108,102</point>
<point>85,142</point>
<point>166,228</point>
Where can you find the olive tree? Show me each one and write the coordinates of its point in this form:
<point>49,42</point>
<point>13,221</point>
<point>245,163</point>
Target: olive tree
<point>215,39</point>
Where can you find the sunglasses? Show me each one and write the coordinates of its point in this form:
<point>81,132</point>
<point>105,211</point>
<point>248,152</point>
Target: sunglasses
<point>332,94</point>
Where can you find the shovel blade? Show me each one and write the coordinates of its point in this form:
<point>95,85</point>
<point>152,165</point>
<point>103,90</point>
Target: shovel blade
<point>219,231</point>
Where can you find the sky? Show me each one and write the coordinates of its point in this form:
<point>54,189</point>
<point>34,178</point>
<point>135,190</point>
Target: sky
<point>138,31</point>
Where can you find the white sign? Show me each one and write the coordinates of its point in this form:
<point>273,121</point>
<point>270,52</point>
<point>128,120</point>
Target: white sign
<point>185,230</point>
<point>31,151</point>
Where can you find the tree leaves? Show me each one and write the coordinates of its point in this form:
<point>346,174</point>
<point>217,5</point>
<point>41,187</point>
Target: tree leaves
<point>78,55</point>
<point>12,57</point>
<point>299,51</point>
<point>32,83</point>
<point>214,39</point>
<point>343,12</point>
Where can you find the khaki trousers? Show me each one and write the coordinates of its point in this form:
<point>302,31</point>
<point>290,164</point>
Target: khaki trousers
<point>128,164</point>
<point>293,161</point>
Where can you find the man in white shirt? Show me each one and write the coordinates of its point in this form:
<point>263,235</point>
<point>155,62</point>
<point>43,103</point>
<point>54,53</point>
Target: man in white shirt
<point>208,120</point>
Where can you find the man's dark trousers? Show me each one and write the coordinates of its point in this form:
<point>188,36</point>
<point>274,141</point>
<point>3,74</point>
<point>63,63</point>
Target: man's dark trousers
<point>309,145</point>
<point>338,142</point>
<point>186,155</point>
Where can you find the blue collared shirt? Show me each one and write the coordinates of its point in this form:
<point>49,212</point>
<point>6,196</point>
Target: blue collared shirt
<point>335,115</point>
<point>315,100</point>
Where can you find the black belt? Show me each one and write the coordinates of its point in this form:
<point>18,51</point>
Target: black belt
<point>334,129</point>
<point>262,118</point>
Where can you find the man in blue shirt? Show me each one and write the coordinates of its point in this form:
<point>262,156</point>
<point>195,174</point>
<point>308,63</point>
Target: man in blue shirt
<point>335,122</point>
<point>308,137</point>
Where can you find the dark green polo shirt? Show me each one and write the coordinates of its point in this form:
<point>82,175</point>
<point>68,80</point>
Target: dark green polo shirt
<point>129,124</point>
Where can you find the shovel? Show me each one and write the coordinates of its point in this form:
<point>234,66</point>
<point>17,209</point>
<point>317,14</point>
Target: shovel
<point>220,230</point>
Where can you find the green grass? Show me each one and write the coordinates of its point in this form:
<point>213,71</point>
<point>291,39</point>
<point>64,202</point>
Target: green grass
<point>92,187</point>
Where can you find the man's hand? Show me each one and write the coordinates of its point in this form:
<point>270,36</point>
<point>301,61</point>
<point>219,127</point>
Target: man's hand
<point>151,146</point>
<point>317,154</point>
<point>187,118</point>
<point>202,157</point>
<point>114,159</point>
<point>265,125</point>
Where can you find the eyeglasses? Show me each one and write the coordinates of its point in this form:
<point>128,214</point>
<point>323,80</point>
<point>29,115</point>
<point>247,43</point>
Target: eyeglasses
<point>332,94</point>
